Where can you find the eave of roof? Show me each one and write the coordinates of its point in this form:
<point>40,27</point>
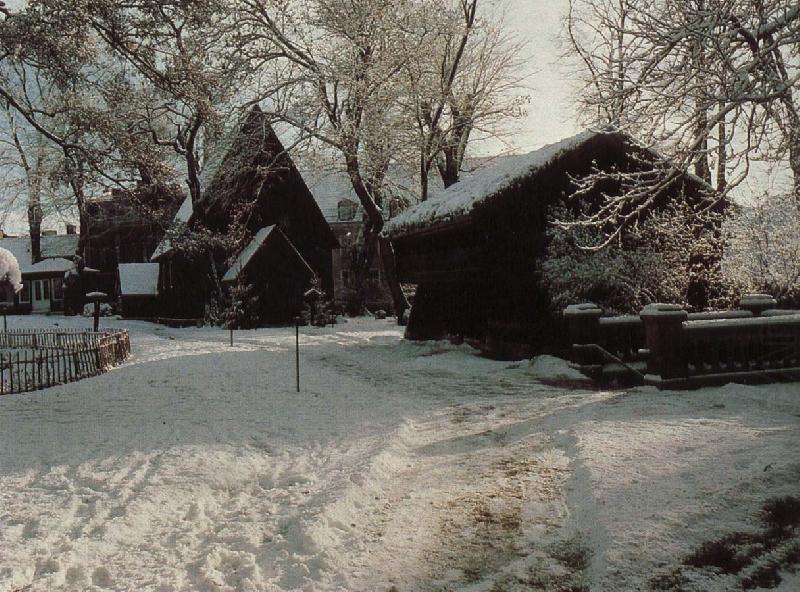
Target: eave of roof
<point>459,200</point>
<point>268,233</point>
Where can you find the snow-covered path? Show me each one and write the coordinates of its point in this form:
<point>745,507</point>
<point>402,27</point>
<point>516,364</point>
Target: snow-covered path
<point>399,466</point>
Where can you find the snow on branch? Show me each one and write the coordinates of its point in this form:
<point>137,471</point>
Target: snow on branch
<point>10,274</point>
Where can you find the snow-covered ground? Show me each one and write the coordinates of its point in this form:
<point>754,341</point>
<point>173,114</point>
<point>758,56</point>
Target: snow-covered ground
<point>398,467</point>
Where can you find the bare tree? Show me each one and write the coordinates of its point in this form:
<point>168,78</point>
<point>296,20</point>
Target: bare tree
<point>130,83</point>
<point>381,81</point>
<point>465,80</point>
<point>704,81</point>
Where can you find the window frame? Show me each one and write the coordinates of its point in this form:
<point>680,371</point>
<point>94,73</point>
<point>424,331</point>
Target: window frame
<point>25,293</point>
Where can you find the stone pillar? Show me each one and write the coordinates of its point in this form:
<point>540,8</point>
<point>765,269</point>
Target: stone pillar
<point>757,303</point>
<point>583,327</point>
<point>664,338</point>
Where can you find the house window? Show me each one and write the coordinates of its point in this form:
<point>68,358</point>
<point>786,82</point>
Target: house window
<point>25,294</point>
<point>37,290</point>
<point>46,287</point>
<point>347,210</point>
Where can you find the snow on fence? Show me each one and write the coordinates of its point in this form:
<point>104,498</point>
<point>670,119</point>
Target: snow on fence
<point>670,348</point>
<point>45,358</point>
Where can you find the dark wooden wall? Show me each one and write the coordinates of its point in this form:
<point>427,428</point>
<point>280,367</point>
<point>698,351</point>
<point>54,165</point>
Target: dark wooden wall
<point>480,277</point>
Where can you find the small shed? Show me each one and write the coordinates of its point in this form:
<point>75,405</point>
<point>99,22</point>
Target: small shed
<point>474,250</point>
<point>276,270</point>
<point>138,289</point>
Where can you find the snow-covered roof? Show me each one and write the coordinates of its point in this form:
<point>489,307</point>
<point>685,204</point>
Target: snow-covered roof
<point>60,245</point>
<point>329,187</point>
<point>138,279</point>
<point>211,166</point>
<point>261,237</point>
<point>49,265</point>
<point>460,199</point>
<point>182,216</point>
<point>247,254</point>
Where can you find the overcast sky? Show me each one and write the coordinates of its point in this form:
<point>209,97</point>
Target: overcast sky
<point>551,114</point>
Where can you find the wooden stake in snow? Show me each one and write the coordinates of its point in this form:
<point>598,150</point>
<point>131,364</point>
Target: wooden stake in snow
<point>297,350</point>
<point>96,297</point>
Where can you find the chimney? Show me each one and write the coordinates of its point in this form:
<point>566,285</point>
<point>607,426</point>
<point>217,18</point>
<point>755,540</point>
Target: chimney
<point>71,229</point>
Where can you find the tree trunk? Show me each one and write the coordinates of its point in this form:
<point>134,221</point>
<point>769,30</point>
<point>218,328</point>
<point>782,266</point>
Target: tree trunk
<point>424,175</point>
<point>74,170</point>
<point>722,157</point>
<point>794,162</point>
<point>701,166</point>
<point>372,231</point>
<point>35,226</point>
<point>192,166</point>
<point>450,166</point>
<point>390,275</point>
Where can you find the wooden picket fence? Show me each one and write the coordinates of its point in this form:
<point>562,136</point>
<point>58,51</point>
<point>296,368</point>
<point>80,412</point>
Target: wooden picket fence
<point>46,358</point>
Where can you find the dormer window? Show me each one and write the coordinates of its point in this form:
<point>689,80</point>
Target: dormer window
<point>347,210</point>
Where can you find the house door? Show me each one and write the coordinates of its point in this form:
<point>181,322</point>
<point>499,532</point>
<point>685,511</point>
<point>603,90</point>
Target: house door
<point>40,295</point>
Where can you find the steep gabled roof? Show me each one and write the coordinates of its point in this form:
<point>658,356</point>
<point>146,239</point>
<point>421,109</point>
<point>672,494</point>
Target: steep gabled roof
<point>182,218</point>
<point>460,199</point>
<point>247,163</point>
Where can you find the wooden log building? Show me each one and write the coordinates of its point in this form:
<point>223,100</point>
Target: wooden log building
<point>473,250</point>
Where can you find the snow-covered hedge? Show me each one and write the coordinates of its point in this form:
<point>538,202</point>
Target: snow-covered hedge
<point>669,257</point>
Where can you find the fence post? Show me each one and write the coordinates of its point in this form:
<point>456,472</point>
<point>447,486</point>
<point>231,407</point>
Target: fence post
<point>583,328</point>
<point>664,339</point>
<point>757,303</point>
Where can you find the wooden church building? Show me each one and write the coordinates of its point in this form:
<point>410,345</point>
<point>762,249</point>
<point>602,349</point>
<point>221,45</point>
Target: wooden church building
<point>273,234</point>
<point>474,249</point>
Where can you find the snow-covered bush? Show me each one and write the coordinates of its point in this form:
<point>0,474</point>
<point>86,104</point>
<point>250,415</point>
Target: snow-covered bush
<point>672,256</point>
<point>242,310</point>
<point>762,248</point>
<point>106,310</point>
<point>10,274</point>
<point>238,308</point>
